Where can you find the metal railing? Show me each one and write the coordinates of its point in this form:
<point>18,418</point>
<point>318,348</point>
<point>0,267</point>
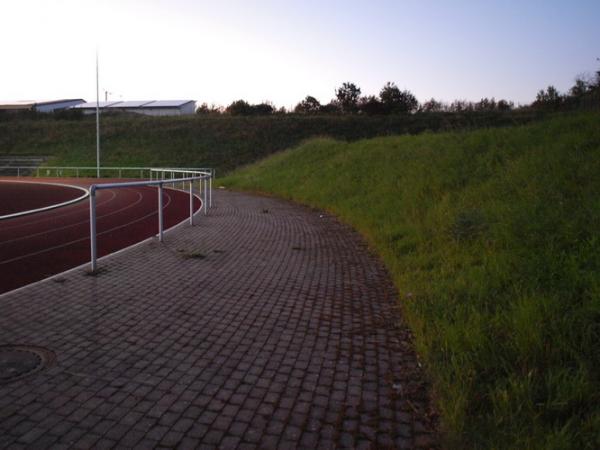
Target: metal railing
<point>186,172</point>
<point>203,177</point>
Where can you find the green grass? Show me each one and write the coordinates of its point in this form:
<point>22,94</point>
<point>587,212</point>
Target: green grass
<point>221,142</point>
<point>493,241</point>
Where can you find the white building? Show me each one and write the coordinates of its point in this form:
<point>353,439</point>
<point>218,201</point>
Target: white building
<point>146,107</point>
<point>44,106</point>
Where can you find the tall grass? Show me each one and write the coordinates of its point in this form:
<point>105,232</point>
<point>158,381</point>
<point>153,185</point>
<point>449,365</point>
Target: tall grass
<point>222,142</point>
<point>493,240</point>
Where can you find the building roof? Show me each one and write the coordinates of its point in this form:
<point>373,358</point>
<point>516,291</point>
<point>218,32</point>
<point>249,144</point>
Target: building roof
<point>88,105</point>
<point>130,104</point>
<point>50,102</point>
<point>29,104</point>
<point>135,104</point>
<point>168,103</point>
<point>17,105</point>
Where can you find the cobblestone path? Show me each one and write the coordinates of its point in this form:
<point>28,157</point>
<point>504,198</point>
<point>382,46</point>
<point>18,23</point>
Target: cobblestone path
<point>266,325</point>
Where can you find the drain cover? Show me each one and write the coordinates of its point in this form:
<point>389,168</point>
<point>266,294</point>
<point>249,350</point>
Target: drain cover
<point>18,361</point>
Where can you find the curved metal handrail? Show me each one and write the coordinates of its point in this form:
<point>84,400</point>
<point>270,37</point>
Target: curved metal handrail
<point>201,177</point>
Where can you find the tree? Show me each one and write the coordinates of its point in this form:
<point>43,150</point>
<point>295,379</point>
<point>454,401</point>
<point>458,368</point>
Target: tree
<point>262,109</point>
<point>239,108</point>
<point>461,106</point>
<point>549,98</point>
<point>396,101</point>
<point>486,104</point>
<point>332,107</point>
<point>390,96</point>
<point>580,88</point>
<point>432,105</point>
<point>204,109</point>
<point>504,105</point>
<point>347,97</point>
<point>309,105</point>
<point>596,84</point>
<point>243,108</point>
<point>370,105</point>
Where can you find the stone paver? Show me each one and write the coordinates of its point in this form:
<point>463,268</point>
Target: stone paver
<point>266,325</point>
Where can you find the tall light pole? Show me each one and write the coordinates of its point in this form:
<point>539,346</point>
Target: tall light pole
<point>97,120</point>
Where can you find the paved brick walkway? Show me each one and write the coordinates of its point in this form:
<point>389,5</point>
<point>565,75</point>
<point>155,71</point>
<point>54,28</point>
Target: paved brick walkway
<point>266,325</point>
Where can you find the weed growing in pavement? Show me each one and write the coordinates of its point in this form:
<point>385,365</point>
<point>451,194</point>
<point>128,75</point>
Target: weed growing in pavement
<point>192,254</point>
<point>95,273</point>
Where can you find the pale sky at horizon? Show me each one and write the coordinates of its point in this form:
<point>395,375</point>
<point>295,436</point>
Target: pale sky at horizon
<point>281,51</point>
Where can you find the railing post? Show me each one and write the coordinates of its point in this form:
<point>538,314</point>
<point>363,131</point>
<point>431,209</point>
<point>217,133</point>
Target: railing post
<point>210,191</point>
<point>160,212</point>
<point>205,203</point>
<point>18,172</point>
<point>191,204</point>
<point>38,172</point>
<point>93,249</point>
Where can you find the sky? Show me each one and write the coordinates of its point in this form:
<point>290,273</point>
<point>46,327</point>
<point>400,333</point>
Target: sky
<point>282,51</point>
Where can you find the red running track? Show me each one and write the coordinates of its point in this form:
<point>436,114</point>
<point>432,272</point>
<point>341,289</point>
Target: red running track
<point>38,245</point>
<point>39,195</point>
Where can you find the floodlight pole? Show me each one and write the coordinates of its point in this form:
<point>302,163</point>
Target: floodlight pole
<point>97,121</point>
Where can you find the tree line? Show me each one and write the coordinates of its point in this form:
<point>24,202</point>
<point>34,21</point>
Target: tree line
<point>584,93</point>
<point>392,100</point>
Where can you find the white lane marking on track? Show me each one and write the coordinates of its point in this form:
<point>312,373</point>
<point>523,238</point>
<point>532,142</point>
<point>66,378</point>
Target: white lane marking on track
<point>76,207</point>
<point>64,227</point>
<point>49,207</point>
<point>18,258</point>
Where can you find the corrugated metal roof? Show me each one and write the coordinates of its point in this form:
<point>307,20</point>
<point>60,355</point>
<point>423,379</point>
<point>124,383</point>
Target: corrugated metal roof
<point>131,104</point>
<point>89,105</point>
<point>167,103</point>
<point>28,104</point>
<point>17,105</point>
<point>141,104</point>
<point>49,102</point>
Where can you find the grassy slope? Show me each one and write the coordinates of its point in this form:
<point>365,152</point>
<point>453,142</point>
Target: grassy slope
<point>492,238</point>
<point>220,142</point>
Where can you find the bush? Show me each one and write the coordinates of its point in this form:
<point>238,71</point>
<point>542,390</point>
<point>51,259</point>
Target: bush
<point>239,108</point>
<point>309,105</point>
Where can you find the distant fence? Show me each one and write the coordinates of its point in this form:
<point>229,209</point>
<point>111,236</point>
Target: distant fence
<point>90,172</point>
